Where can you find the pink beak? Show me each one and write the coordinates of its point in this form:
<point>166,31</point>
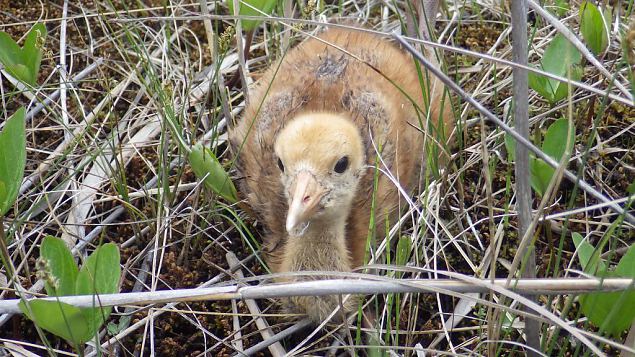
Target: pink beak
<point>307,193</point>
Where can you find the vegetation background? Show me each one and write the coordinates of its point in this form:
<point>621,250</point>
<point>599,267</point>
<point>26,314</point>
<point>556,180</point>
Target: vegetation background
<point>126,89</point>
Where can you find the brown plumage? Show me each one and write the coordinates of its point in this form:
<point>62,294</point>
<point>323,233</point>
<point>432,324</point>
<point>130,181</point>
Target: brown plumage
<point>307,147</point>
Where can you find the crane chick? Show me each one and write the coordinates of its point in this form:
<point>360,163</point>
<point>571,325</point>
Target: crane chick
<point>309,141</point>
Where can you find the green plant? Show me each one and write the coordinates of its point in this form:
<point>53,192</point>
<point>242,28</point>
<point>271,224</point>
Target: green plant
<point>252,8</point>
<point>561,58</point>
<point>611,312</point>
<point>206,166</point>
<point>561,7</point>
<point>554,145</point>
<point>23,63</point>
<point>12,159</point>
<point>56,266</point>
<point>593,26</point>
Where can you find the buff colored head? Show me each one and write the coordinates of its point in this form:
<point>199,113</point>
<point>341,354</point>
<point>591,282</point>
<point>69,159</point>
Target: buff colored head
<point>320,156</point>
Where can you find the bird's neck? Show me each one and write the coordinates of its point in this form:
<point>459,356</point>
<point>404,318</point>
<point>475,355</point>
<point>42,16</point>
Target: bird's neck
<point>321,247</point>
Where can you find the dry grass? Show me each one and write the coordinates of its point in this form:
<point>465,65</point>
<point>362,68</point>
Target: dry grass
<point>105,162</point>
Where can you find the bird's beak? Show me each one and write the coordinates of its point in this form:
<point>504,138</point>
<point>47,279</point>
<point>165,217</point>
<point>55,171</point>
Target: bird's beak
<point>306,194</point>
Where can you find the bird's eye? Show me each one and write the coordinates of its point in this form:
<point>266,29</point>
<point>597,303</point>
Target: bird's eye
<point>341,165</point>
<point>280,165</point>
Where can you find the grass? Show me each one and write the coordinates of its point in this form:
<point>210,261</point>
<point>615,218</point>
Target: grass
<point>105,163</point>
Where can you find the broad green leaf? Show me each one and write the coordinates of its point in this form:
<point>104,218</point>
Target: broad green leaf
<point>560,58</point>
<point>563,87</point>
<point>95,318</point>
<point>540,174</point>
<point>62,266</point>
<point>554,145</point>
<point>539,84</point>
<point>12,159</point>
<point>593,27</point>
<point>10,52</point>
<point>555,141</point>
<point>100,272</point>
<point>590,262</point>
<point>32,50</point>
<point>626,266</point>
<point>63,320</point>
<point>265,6</point>
<point>612,312</point>
<point>203,163</point>
<point>23,63</point>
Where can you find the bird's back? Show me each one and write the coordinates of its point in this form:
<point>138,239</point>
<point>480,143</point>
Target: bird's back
<point>370,80</point>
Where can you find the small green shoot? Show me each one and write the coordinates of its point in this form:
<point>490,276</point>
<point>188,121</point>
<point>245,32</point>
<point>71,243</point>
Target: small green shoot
<point>12,159</point>
<point>403,250</point>
<point>561,7</point>
<point>554,145</point>
<point>612,312</point>
<point>559,58</point>
<point>205,165</point>
<point>248,8</point>
<point>23,63</point>
<point>100,274</point>
<point>593,26</point>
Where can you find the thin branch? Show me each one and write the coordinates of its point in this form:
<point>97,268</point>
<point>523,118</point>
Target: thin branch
<point>337,287</point>
<point>521,169</point>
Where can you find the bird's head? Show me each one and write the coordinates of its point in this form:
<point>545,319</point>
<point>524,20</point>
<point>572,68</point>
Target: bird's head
<point>320,157</point>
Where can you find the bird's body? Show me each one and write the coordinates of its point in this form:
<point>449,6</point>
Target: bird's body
<point>308,143</point>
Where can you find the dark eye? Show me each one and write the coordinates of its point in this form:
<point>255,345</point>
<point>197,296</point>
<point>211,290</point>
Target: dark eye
<point>280,165</point>
<point>341,165</point>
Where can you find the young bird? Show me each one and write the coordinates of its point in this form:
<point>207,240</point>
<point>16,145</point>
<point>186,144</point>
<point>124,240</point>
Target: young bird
<point>319,125</point>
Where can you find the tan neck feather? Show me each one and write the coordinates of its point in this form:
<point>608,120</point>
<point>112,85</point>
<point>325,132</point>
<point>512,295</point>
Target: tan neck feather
<point>322,247</point>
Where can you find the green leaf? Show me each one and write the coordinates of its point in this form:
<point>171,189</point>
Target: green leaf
<point>403,250</point>
<point>563,87</point>
<point>12,159</point>
<point>540,174</point>
<point>611,312</point>
<point>100,273</point>
<point>589,260</point>
<point>560,58</point>
<point>62,266</point>
<point>95,318</point>
<point>561,7</point>
<point>63,320</point>
<point>593,27</point>
<point>555,141</point>
<point>554,145</point>
<point>539,84</point>
<point>265,6</point>
<point>10,52</point>
<point>23,63</point>
<point>626,267</point>
<point>510,145</point>
<point>204,163</point>
<point>32,50</point>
